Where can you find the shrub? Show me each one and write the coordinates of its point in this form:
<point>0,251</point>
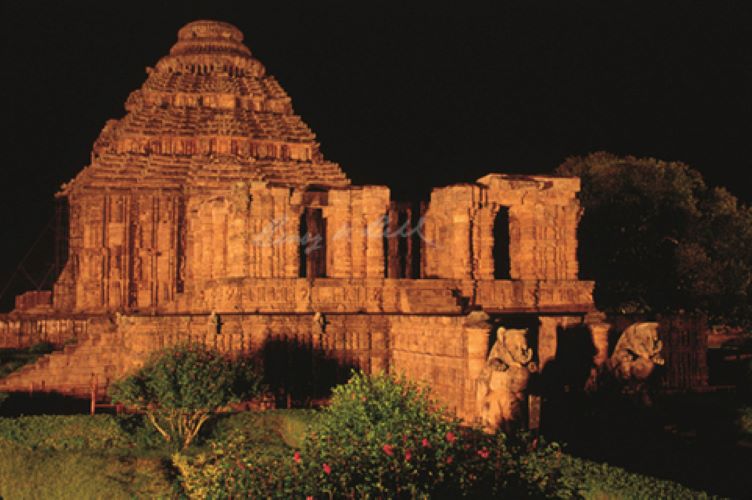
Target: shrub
<point>384,436</point>
<point>240,468</point>
<point>179,388</point>
<point>380,437</point>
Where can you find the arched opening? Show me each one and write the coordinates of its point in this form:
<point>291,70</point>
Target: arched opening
<point>312,244</point>
<point>502,264</point>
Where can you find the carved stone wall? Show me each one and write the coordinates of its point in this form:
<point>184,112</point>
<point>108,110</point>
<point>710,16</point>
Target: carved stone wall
<point>543,217</point>
<point>123,250</point>
<point>211,198</point>
<point>19,331</point>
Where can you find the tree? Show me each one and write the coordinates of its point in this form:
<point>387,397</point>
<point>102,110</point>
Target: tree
<point>656,238</point>
<point>179,388</point>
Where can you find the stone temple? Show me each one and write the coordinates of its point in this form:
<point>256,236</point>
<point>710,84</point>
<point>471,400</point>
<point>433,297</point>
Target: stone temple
<point>208,213</point>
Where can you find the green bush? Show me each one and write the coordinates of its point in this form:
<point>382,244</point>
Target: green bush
<point>239,468</point>
<point>380,437</point>
<point>178,389</point>
<point>142,435</point>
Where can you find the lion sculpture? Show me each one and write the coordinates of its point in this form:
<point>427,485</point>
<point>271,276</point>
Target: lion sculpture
<point>502,385</point>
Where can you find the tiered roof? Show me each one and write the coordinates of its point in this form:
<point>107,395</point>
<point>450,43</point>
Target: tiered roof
<point>208,110</point>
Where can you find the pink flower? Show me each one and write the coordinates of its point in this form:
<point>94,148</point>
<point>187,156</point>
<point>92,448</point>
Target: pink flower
<point>425,443</point>
<point>388,449</point>
<point>404,438</point>
<point>450,437</point>
<point>408,455</point>
<point>327,469</point>
<point>535,444</point>
<point>484,453</point>
<point>449,459</point>
<point>296,457</point>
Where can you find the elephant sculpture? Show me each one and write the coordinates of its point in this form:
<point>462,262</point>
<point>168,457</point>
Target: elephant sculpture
<point>637,353</point>
<point>502,384</point>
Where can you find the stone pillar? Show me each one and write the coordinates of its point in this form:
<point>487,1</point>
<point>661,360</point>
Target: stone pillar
<point>547,340</point>
<point>599,333</point>
<point>340,234</point>
<point>477,329</point>
<point>547,345</point>
<point>449,225</point>
<point>375,204</point>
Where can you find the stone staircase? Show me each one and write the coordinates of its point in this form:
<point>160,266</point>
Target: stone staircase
<point>98,357</point>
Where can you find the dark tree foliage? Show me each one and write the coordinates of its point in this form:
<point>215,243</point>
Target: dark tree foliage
<point>656,238</point>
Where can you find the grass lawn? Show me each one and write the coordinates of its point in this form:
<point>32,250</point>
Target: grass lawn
<point>83,457</point>
<point>34,474</point>
<point>78,456</point>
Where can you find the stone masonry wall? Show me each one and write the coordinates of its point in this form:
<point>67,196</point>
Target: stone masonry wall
<point>543,217</point>
<point>21,331</point>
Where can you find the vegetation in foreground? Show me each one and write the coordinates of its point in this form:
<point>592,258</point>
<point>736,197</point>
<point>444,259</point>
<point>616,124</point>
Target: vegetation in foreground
<point>180,388</point>
<point>383,438</point>
<point>78,456</point>
<point>380,437</point>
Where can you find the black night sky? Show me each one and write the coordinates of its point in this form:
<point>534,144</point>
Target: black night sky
<point>405,94</point>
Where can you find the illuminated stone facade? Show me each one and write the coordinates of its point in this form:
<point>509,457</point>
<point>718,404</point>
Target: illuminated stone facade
<point>209,213</point>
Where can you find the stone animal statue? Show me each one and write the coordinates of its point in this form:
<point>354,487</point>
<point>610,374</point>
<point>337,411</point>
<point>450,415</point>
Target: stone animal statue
<point>502,384</point>
<point>637,353</point>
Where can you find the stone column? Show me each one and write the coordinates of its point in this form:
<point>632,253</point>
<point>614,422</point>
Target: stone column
<point>599,330</point>
<point>547,340</point>
<point>477,329</point>
<point>339,216</point>
<point>375,205</point>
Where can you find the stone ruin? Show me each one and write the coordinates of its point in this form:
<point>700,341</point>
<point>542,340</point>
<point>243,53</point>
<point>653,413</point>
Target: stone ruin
<point>208,213</point>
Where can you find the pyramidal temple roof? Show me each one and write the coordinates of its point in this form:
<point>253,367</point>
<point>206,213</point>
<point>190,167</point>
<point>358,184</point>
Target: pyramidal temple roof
<point>207,109</point>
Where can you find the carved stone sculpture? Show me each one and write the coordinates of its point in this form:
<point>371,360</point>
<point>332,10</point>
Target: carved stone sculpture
<point>502,385</point>
<point>636,354</point>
